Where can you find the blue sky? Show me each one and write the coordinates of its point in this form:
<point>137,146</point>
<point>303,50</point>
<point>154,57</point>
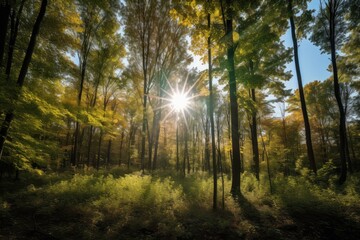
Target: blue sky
<point>313,64</point>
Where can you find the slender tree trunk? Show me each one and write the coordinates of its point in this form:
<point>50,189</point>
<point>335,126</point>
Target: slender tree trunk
<point>254,139</point>
<point>207,145</point>
<point>219,159</point>
<point>309,147</point>
<point>177,147</point>
<point>236,166</point>
<point>267,162</point>
<point>4,130</point>
<point>186,151</point>
<point>108,158</point>
<point>14,27</point>
<point>4,22</point>
<point>99,151</point>
<point>342,121</point>
<point>121,146</point>
<point>211,114</point>
<point>129,147</point>
<point>156,146</point>
<point>23,71</point>
<point>157,125</point>
<point>143,129</point>
<point>89,145</point>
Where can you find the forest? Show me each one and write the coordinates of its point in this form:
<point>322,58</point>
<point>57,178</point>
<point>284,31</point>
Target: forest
<point>173,119</point>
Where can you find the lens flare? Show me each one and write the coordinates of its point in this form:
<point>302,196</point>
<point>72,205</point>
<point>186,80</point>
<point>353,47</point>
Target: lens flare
<point>179,102</point>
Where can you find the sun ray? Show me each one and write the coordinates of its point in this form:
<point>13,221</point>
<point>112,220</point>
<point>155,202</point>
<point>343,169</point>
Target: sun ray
<point>178,99</point>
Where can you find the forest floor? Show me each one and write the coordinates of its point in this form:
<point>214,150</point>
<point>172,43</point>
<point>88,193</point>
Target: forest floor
<point>137,206</point>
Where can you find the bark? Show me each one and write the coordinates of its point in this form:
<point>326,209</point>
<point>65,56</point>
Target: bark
<point>219,159</point>
<point>207,145</point>
<point>4,22</point>
<point>121,146</point>
<point>211,114</point>
<point>89,145</point>
<point>254,139</point>
<point>236,166</point>
<point>108,158</point>
<point>99,151</point>
<point>143,129</point>
<point>267,162</point>
<point>177,147</point>
<point>157,125</point>
<point>309,146</point>
<point>186,151</point>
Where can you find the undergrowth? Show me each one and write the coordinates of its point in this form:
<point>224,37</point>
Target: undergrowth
<point>116,205</point>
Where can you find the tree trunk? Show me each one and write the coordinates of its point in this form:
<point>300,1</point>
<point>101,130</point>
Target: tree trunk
<point>89,145</point>
<point>236,168</point>
<point>99,151</point>
<point>143,129</point>
<point>211,114</point>
<point>342,120</point>
<point>309,147</point>
<point>177,147</point>
<point>4,22</point>
<point>121,146</point>
<point>186,151</point>
<point>267,162</point>
<point>207,145</point>
<point>254,139</point>
<point>219,159</point>
<point>108,158</point>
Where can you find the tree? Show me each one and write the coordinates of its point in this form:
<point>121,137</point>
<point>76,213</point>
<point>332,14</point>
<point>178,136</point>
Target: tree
<point>236,167</point>
<point>330,34</point>
<point>309,147</point>
<point>211,114</point>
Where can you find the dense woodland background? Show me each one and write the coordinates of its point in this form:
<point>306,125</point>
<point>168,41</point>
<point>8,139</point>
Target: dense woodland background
<point>89,129</point>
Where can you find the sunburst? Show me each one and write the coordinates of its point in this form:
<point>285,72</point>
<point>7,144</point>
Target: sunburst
<point>179,100</point>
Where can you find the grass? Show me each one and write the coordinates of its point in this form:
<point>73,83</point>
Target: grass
<point>123,205</point>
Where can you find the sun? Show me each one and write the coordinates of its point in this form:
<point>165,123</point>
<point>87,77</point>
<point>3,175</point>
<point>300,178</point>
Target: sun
<point>179,101</point>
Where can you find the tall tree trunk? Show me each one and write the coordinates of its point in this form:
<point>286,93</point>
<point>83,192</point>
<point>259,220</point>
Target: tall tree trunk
<point>267,162</point>
<point>14,27</point>
<point>89,145</point>
<point>108,158</point>
<point>23,71</point>
<point>143,129</point>
<point>121,146</point>
<point>342,121</point>
<point>129,146</point>
<point>254,138</point>
<point>309,147</point>
<point>177,147</point>
<point>157,125</point>
<point>4,22</point>
<point>186,151</point>
<point>99,151</point>
<point>219,159</point>
<point>236,166</point>
<point>211,114</point>
<point>207,145</point>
